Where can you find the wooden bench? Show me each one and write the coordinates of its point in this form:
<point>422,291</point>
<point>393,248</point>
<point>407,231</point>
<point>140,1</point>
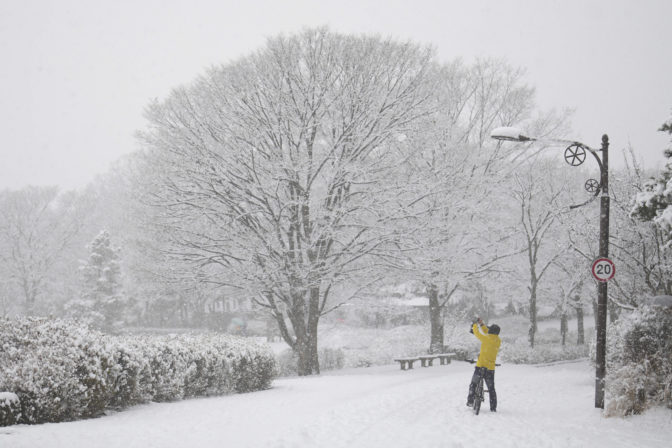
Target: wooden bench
<point>406,362</point>
<point>446,357</point>
<point>425,360</point>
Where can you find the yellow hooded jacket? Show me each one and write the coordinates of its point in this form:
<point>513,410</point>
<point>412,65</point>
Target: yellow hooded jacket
<point>489,347</point>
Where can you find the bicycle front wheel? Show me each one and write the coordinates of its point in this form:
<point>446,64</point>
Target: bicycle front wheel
<point>478,397</point>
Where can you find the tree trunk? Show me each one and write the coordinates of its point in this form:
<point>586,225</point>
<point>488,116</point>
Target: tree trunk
<point>29,293</point>
<point>613,312</point>
<point>305,350</point>
<point>435,319</point>
<point>313,319</point>
<point>563,327</point>
<point>30,306</point>
<point>595,311</point>
<point>306,353</point>
<point>533,314</point>
<point>304,343</point>
<point>579,326</point>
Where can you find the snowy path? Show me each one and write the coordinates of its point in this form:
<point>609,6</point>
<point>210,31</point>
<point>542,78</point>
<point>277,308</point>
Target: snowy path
<point>375,407</point>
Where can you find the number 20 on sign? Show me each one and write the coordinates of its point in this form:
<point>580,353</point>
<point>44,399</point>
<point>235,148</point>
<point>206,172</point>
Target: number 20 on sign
<point>603,269</point>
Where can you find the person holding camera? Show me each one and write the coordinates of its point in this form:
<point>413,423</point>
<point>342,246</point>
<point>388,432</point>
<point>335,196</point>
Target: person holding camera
<point>485,365</point>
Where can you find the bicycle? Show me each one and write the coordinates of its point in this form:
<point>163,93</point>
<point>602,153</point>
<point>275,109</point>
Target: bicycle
<point>479,392</point>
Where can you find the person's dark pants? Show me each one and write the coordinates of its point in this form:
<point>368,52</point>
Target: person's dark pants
<point>489,377</point>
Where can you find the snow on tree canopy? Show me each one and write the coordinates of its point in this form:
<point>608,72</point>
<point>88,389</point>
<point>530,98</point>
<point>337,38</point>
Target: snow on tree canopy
<point>653,203</point>
<point>102,300</point>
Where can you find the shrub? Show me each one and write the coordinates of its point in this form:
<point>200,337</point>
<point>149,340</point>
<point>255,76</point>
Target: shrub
<point>10,409</point>
<point>246,379</point>
<point>168,366</point>
<point>639,357</point>
<point>632,388</point>
<point>61,370</point>
<point>207,371</point>
<point>132,374</point>
<point>519,351</point>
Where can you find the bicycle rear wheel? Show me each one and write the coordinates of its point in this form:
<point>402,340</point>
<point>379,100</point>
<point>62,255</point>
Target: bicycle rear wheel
<point>478,396</point>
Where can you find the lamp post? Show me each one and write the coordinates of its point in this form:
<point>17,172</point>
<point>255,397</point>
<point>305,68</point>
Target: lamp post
<point>575,155</point>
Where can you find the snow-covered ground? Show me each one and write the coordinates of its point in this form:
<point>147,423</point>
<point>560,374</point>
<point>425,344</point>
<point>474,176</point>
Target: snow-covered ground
<point>380,406</point>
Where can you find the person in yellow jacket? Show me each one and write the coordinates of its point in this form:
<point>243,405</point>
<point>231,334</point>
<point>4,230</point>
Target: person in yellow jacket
<point>485,366</point>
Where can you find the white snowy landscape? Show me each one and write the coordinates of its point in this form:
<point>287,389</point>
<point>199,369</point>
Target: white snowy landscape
<point>376,407</point>
<point>234,223</point>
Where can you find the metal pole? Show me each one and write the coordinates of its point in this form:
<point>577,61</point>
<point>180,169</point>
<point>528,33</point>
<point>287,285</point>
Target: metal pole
<point>601,346</point>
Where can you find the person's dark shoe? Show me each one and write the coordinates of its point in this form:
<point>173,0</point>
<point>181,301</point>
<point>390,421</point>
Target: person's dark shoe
<point>470,403</point>
<point>493,410</point>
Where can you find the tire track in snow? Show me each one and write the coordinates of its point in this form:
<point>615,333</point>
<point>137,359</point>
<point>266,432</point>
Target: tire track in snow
<point>367,413</point>
<point>424,398</point>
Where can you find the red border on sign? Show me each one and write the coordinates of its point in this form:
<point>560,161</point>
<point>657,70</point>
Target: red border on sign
<point>613,269</point>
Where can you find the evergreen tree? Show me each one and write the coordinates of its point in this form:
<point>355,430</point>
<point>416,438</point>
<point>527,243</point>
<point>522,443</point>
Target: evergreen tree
<point>102,301</point>
<point>653,204</point>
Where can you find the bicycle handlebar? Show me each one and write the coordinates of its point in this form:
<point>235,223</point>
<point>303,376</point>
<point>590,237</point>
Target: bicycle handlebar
<point>472,361</point>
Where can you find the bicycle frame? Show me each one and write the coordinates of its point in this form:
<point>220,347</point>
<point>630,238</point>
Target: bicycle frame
<point>480,390</point>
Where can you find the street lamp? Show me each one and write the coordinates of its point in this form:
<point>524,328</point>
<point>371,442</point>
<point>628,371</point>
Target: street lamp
<point>575,155</point>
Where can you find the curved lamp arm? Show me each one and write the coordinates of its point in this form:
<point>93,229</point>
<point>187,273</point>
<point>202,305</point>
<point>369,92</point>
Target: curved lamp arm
<point>511,134</point>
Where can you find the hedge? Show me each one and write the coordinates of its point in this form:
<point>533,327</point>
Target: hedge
<point>639,362</point>
<point>61,370</point>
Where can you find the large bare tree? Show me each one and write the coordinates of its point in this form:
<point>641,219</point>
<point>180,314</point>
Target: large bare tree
<point>277,174</point>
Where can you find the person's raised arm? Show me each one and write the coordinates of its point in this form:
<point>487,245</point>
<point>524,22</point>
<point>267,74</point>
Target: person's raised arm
<point>476,331</point>
<point>484,327</point>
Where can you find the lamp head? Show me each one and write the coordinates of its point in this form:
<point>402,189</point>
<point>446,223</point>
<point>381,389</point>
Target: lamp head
<point>510,134</point>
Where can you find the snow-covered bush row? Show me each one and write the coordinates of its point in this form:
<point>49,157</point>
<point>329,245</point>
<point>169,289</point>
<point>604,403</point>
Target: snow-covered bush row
<point>164,368</point>
<point>58,370</point>
<point>519,351</point>
<point>639,362</point>
<point>62,370</point>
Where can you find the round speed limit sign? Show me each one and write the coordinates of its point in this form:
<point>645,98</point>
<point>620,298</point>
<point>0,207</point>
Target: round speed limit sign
<point>603,269</point>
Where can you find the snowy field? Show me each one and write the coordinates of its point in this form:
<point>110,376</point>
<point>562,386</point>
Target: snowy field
<point>381,406</point>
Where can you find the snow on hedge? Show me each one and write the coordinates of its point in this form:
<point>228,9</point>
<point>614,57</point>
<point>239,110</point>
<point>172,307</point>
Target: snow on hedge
<point>61,370</point>
<point>10,408</point>
<point>639,357</point>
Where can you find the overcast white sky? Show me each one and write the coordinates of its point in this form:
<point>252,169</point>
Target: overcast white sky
<point>76,74</point>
